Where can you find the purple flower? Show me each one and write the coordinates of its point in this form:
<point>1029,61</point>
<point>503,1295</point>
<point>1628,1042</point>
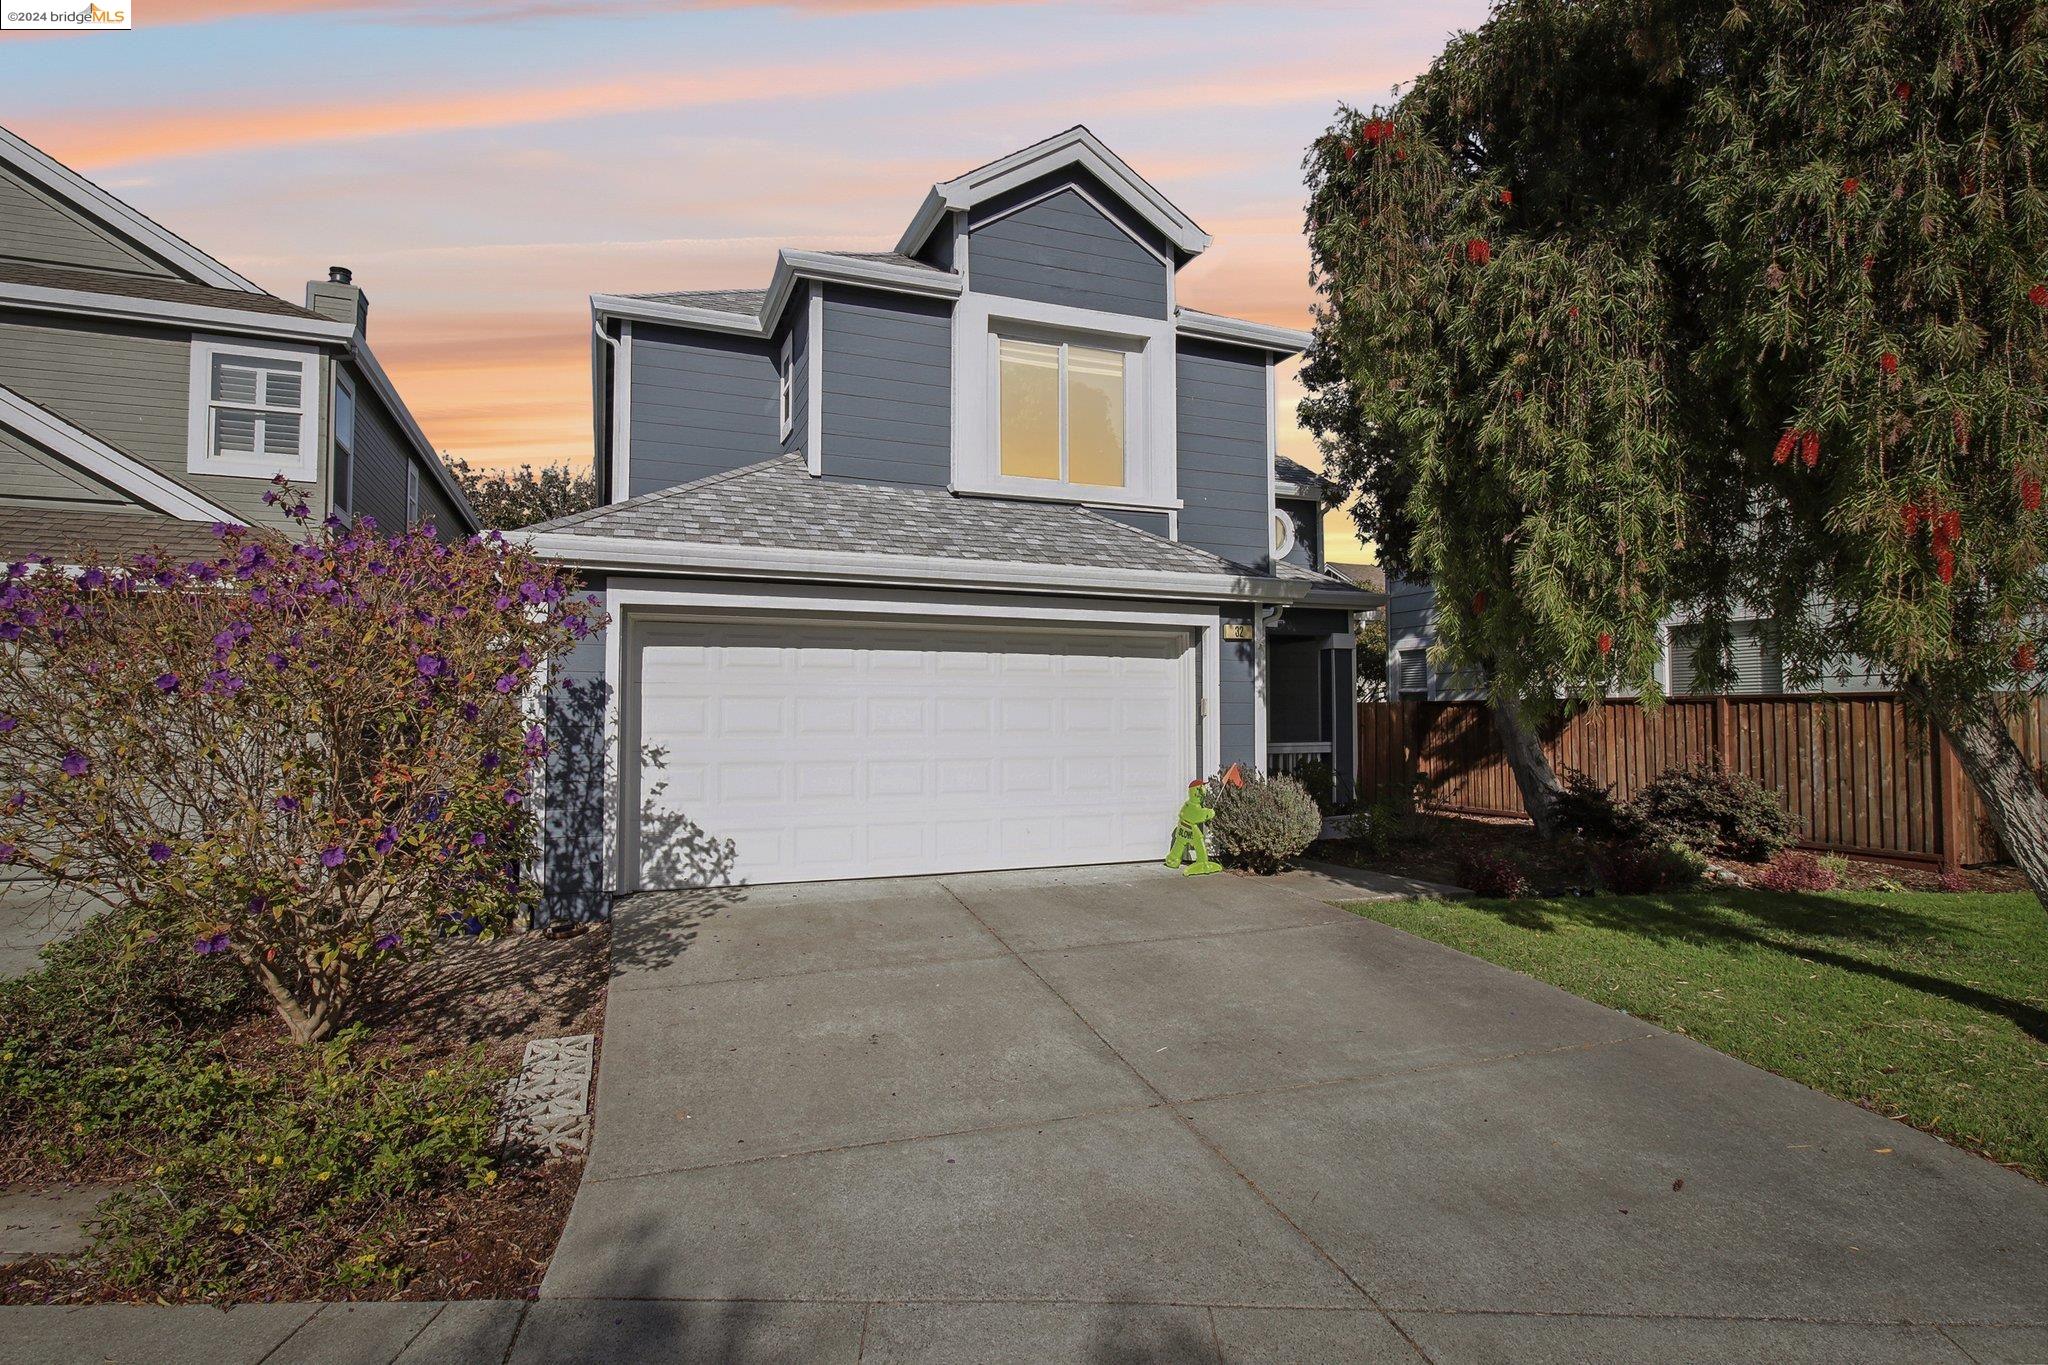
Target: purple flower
<point>490,761</point>
<point>202,572</point>
<point>159,853</point>
<point>506,682</point>
<point>10,630</point>
<point>502,601</point>
<point>536,739</point>
<point>479,839</point>
<point>224,682</point>
<point>298,511</point>
<point>275,659</point>
<point>6,853</point>
<point>166,682</point>
<point>286,803</point>
<point>432,665</point>
<point>7,723</point>
<point>208,944</point>
<point>470,710</point>
<point>472,926</point>
<point>513,796</point>
<point>386,841</point>
<point>332,856</point>
<point>92,578</point>
<point>258,904</point>
<point>75,764</point>
<point>386,943</point>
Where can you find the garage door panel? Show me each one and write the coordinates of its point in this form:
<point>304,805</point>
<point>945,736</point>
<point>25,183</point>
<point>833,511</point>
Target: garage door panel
<point>866,750</point>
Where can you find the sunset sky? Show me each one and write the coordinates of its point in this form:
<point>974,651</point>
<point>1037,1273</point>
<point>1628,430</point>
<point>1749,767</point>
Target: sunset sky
<point>484,167</point>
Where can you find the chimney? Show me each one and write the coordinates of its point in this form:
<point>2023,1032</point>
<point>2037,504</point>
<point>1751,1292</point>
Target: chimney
<point>337,297</point>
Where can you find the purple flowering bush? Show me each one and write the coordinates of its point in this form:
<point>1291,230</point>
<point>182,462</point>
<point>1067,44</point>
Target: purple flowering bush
<point>304,755</point>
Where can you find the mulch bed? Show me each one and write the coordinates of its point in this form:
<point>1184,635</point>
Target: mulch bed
<point>1434,846</point>
<point>489,1243</point>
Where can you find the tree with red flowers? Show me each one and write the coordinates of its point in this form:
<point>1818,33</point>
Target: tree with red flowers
<point>306,754</point>
<point>1761,327</point>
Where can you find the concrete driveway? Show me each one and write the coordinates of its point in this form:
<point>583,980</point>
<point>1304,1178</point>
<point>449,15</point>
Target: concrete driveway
<point>1119,1115</point>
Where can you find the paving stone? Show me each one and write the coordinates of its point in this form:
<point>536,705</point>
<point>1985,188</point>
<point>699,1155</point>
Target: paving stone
<point>144,1334</point>
<point>1511,1339</point>
<point>601,1333</point>
<point>1029,1333</point>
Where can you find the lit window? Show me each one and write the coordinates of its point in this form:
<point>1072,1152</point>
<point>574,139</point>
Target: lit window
<point>1061,412</point>
<point>254,410</point>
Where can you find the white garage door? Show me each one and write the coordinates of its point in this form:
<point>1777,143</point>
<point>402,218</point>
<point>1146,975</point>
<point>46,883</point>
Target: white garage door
<point>826,750</point>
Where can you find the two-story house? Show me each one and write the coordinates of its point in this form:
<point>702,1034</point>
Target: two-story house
<point>970,554</point>
<point>147,390</point>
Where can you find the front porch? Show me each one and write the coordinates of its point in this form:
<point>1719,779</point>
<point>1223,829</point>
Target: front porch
<point>1311,684</point>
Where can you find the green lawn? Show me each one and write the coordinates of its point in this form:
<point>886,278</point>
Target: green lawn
<point>1932,1009</point>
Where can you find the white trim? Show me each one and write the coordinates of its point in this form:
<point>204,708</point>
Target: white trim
<point>387,393</point>
<point>412,494</point>
<point>1280,523</point>
<point>1094,203</point>
<point>158,311</point>
<point>676,315</point>
<point>342,501</point>
<point>1151,473</point>
<point>150,235</point>
<point>1262,683</point>
<point>1274,553</point>
<point>1074,147</point>
<point>200,457</point>
<point>1238,332</point>
<point>814,367</point>
<point>622,413</point>
<point>844,566</point>
<point>637,600</point>
<point>785,385</point>
<point>104,462</point>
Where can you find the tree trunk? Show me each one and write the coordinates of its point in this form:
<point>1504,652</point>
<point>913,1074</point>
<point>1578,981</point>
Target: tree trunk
<point>308,1022</point>
<point>2008,787</point>
<point>1531,766</point>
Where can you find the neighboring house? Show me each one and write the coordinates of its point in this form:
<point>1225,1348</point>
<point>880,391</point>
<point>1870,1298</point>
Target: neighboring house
<point>148,391</point>
<point>1411,676</point>
<point>969,554</point>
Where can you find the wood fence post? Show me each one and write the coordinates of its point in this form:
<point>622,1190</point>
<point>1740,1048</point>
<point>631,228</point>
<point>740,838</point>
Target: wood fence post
<point>1949,786</point>
<point>1724,723</point>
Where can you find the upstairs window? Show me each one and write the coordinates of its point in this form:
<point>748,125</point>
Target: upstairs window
<point>1063,412</point>
<point>412,495</point>
<point>254,411</point>
<point>344,445</point>
<point>785,386</point>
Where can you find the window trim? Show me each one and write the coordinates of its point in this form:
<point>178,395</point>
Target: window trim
<point>1063,343</point>
<point>412,494</point>
<point>342,478</point>
<point>1283,522</point>
<point>1150,477</point>
<point>785,384</point>
<point>199,454</point>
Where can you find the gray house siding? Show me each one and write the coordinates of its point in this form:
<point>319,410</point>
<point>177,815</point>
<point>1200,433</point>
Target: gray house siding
<point>1222,443</point>
<point>382,456</point>
<point>1307,514</point>
<point>1158,523</point>
<point>701,404</point>
<point>1064,250</point>
<point>129,387</point>
<point>1238,689</point>
<point>35,228</point>
<point>574,815</point>
<point>938,248</point>
<point>28,473</point>
<point>888,374</point>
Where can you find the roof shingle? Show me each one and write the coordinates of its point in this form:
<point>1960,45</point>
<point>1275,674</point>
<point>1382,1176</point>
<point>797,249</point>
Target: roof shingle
<point>150,287</point>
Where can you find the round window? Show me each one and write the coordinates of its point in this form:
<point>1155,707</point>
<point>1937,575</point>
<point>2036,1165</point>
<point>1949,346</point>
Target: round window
<point>1283,534</point>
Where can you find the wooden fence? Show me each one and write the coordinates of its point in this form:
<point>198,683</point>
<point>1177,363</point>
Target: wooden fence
<point>1857,775</point>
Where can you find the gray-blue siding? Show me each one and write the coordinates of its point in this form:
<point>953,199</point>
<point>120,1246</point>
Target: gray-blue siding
<point>701,404</point>
<point>574,812</point>
<point>1237,685</point>
<point>1155,522</point>
<point>1063,250</point>
<point>888,376</point>
<point>1221,401</point>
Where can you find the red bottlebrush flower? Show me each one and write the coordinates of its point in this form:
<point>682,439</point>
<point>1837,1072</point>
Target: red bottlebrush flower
<point>1785,444</point>
<point>1809,449</point>
<point>1572,312</point>
<point>1945,565</point>
<point>2023,658</point>
<point>1869,263</point>
<point>1850,186</point>
<point>1351,151</point>
<point>1904,90</point>
<point>1888,362</point>
<point>1479,251</point>
<point>2038,296</point>
<point>1518,395</point>
<point>1910,514</point>
<point>1507,196</point>
<point>1952,523</point>
<point>1606,642</point>
<point>1479,602</point>
<point>2030,492</point>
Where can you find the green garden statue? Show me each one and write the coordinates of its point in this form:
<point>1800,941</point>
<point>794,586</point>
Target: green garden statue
<point>1187,836</point>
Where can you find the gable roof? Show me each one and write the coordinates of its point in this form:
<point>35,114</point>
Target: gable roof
<point>1075,147</point>
<point>60,180</point>
<point>152,288</point>
<point>78,447</point>
<point>774,518</point>
<point>77,535</point>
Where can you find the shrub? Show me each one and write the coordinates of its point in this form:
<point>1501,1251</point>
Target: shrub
<point>299,754</point>
<point>1262,824</point>
<point>294,1178</point>
<point>1636,869</point>
<point>1711,810</point>
<point>1319,780</point>
<point>1587,808</point>
<point>1383,824</point>
<point>1491,875</point>
<point>1797,872</point>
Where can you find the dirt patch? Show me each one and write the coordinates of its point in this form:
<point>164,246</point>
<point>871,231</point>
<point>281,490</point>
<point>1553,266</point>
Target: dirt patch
<point>490,1243</point>
<point>1436,847</point>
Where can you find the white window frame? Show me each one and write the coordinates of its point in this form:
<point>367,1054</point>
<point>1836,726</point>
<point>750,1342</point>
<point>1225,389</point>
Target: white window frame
<point>979,320</point>
<point>344,492</point>
<point>1284,538</point>
<point>785,385</point>
<point>199,455</point>
<point>412,494</point>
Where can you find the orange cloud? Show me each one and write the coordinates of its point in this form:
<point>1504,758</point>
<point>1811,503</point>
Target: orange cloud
<point>114,137</point>
<point>206,11</point>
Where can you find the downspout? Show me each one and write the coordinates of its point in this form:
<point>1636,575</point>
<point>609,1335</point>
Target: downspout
<point>610,428</point>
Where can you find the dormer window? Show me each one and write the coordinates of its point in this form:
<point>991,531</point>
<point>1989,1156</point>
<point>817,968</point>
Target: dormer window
<point>1062,412</point>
